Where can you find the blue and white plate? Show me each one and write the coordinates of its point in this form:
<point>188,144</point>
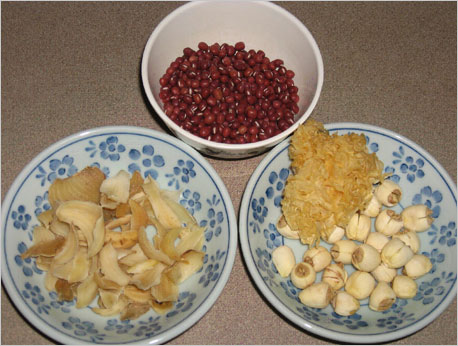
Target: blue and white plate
<point>422,179</point>
<point>175,166</point>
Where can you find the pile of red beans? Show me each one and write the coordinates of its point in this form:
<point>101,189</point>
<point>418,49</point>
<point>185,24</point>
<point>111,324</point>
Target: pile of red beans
<point>226,94</point>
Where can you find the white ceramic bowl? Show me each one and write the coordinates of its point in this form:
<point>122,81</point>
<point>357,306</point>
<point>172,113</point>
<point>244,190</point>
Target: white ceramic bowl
<point>175,165</point>
<point>261,25</point>
<point>422,179</point>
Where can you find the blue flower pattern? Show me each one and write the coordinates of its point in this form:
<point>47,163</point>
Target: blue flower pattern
<point>212,271</point>
<point>57,169</point>
<point>120,327</point>
<point>41,204</point>
<point>183,171</point>
<point>445,235</point>
<point>109,149</point>
<point>148,160</point>
<point>277,183</point>
<point>351,322</point>
<point>148,328</point>
<point>33,293</point>
<point>191,201</point>
<point>28,267</point>
<point>215,219</point>
<point>21,218</point>
<point>83,328</point>
<point>183,304</point>
<point>273,238</point>
<point>408,166</point>
<point>429,290</point>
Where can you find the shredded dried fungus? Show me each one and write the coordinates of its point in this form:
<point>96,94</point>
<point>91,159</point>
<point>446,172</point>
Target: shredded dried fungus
<point>333,177</point>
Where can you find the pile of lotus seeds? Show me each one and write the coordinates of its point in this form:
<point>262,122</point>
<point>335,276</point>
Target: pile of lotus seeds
<point>386,261</point>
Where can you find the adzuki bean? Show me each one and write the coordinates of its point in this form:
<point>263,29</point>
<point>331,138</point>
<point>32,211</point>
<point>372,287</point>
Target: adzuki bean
<point>227,94</point>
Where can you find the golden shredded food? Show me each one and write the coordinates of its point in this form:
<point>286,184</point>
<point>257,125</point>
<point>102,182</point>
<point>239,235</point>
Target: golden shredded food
<point>333,177</point>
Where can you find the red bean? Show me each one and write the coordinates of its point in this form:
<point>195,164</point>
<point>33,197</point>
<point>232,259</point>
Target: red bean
<point>239,46</point>
<point>227,94</point>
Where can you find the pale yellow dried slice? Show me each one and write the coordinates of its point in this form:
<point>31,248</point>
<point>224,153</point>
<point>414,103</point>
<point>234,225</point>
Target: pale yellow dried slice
<point>134,310</point>
<point>191,238</point>
<point>137,295</point>
<point>82,186</point>
<point>42,234</point>
<point>68,249</point>
<point>46,217</point>
<point>136,183</point>
<point>86,292</point>
<point>58,227</point>
<point>114,310</point>
<point>189,263</point>
<point>123,239</point>
<point>116,188</point>
<point>149,250</point>
<point>149,278</point>
<point>109,298</point>
<point>47,249</point>
<point>104,283</point>
<point>136,256</point>
<point>161,308</point>
<point>50,282</point>
<point>163,212</point>
<point>142,266</point>
<point>139,216</point>
<point>110,267</point>
<point>98,234</point>
<point>82,214</point>
<point>166,291</point>
<point>167,245</point>
<point>43,263</point>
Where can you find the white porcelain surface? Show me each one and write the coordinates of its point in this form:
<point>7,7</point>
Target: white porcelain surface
<point>261,25</point>
<point>422,179</point>
<point>176,166</point>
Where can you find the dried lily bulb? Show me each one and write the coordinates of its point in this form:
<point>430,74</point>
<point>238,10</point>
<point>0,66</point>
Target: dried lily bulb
<point>373,208</point>
<point>418,265</point>
<point>335,275</point>
<point>365,258</point>
<point>116,188</point>
<point>342,250</point>
<point>284,260</point>
<point>410,238</point>
<point>344,304</point>
<point>417,217</point>
<point>382,297</point>
<point>396,253</point>
<point>318,295</point>
<point>383,273</point>
<point>404,287</point>
<point>335,235</point>
<point>360,284</point>
<point>388,222</point>
<point>377,240</point>
<point>358,227</point>
<point>284,229</point>
<point>388,193</point>
<point>318,256</point>
<point>303,275</point>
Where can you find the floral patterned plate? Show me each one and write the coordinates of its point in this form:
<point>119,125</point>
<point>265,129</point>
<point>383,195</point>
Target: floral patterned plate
<point>422,180</point>
<point>175,166</point>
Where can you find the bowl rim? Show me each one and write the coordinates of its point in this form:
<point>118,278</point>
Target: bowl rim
<point>278,304</point>
<point>213,295</point>
<point>229,147</point>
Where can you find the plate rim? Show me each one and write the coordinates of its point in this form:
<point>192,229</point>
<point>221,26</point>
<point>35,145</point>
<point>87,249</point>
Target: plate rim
<point>277,304</point>
<point>201,310</point>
